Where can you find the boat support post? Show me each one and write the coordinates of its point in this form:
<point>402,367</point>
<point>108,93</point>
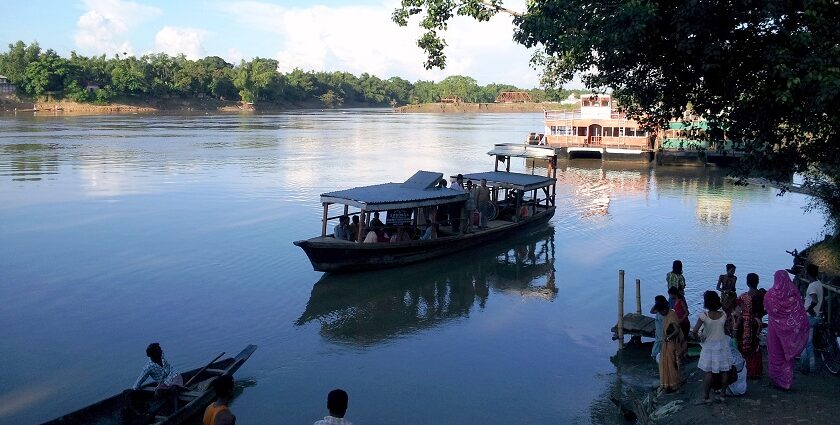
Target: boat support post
<point>619,330</point>
<point>324,220</point>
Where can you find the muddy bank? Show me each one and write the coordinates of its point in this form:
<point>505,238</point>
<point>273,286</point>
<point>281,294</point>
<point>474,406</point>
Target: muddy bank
<point>12,104</point>
<point>812,399</point>
<point>482,107</point>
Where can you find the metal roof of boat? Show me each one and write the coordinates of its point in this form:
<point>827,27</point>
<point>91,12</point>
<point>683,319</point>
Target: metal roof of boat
<point>510,180</point>
<point>418,191</point>
<point>523,151</point>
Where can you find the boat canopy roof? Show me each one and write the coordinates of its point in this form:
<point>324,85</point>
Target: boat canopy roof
<point>510,180</point>
<point>418,191</point>
<point>520,150</point>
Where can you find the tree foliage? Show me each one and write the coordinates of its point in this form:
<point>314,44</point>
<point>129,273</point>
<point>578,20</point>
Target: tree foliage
<point>101,79</point>
<point>765,72</point>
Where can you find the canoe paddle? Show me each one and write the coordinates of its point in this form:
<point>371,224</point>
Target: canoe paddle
<point>203,369</point>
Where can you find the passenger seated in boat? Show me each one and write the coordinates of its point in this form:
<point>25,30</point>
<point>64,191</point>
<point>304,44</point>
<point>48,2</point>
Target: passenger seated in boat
<point>384,235</point>
<point>376,223</point>
<point>160,371</point>
<point>396,235</point>
<point>371,237</point>
<point>427,235</point>
<point>354,228</point>
<point>524,212</point>
<point>218,412</point>
<point>342,230</point>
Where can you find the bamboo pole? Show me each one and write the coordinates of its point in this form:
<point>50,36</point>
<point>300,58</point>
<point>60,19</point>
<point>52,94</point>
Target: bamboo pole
<point>638,296</point>
<point>620,327</point>
<point>324,220</point>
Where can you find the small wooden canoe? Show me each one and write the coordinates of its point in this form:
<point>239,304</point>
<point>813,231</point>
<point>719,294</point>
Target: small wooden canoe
<point>116,410</point>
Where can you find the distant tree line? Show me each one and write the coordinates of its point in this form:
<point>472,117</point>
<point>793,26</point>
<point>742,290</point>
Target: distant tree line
<point>101,79</point>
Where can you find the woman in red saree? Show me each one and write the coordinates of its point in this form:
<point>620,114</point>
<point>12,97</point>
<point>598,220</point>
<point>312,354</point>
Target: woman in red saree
<point>750,326</point>
<point>787,329</point>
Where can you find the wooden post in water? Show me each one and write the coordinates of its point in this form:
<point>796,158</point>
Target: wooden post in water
<point>619,328</point>
<point>638,296</point>
<point>324,220</point>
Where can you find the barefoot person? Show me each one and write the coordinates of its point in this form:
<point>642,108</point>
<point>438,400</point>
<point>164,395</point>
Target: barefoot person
<point>669,359</point>
<point>218,412</point>
<point>750,327</point>
<point>787,329</point>
<point>715,354</point>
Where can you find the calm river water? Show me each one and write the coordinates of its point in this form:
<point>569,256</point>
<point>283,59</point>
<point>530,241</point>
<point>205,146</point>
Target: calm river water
<point>119,231</point>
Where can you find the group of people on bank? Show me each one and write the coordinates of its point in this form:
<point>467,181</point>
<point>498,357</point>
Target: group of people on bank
<point>729,331</point>
<point>170,382</point>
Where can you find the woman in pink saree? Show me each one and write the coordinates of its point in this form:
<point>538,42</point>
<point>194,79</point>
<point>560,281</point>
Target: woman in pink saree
<point>787,329</point>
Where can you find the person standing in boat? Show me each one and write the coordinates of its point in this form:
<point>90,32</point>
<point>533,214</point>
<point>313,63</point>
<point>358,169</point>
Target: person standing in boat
<point>375,222</point>
<point>470,206</point>
<point>458,210</point>
<point>159,370</point>
<point>483,200</point>
<point>354,229</point>
<point>218,412</point>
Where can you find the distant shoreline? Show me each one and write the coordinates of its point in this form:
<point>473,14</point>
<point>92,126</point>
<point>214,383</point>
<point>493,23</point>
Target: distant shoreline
<point>12,106</point>
<point>461,108</point>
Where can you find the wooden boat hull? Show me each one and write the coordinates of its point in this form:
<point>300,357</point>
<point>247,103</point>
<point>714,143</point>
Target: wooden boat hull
<point>115,409</point>
<point>335,257</point>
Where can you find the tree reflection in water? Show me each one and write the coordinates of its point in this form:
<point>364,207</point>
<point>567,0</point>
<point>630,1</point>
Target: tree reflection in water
<point>368,308</point>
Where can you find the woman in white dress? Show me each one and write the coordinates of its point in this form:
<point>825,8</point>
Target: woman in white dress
<point>715,355</point>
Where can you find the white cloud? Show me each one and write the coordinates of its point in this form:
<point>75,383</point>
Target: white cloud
<point>176,40</point>
<point>104,26</point>
<point>364,39</point>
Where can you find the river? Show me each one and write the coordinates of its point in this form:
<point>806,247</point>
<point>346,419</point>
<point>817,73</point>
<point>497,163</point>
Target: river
<point>118,231</point>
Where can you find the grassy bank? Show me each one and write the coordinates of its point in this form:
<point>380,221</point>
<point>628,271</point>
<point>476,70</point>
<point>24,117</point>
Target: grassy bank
<point>826,254</point>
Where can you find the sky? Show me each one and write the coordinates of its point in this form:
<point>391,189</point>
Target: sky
<point>356,36</point>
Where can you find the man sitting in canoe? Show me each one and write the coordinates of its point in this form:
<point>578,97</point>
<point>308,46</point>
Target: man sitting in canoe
<point>159,370</point>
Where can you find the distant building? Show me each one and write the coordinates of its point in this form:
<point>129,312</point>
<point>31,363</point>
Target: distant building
<point>92,87</point>
<point>5,86</point>
<point>571,100</point>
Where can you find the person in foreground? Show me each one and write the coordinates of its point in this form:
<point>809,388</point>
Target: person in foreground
<point>750,327</point>
<point>715,354</point>
<point>337,405</point>
<point>218,412</point>
<point>787,329</point>
<point>159,370</point>
<point>813,305</point>
<point>671,352</point>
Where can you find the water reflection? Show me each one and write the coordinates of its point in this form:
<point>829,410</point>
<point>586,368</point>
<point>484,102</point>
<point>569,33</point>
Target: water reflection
<point>30,161</point>
<point>365,309</point>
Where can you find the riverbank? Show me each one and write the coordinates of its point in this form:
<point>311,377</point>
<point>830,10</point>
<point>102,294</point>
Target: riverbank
<point>461,108</point>
<point>13,104</point>
<point>811,399</point>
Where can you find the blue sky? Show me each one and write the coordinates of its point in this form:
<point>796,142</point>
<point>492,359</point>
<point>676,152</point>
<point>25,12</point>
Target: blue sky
<point>355,36</point>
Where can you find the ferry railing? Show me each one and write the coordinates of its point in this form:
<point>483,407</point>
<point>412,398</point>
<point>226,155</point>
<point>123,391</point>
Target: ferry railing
<point>561,115</point>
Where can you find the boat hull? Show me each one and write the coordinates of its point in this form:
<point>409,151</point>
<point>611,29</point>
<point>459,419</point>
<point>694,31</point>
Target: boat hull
<point>349,257</point>
<point>114,410</point>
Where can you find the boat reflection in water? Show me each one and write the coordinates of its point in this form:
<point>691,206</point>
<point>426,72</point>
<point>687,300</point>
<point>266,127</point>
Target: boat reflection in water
<point>369,308</point>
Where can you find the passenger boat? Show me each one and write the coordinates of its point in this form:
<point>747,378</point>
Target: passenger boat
<point>411,204</point>
<point>116,409</point>
<point>597,130</point>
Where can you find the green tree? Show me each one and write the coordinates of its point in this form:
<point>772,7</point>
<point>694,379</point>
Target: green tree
<point>458,85</point>
<point>424,92</point>
<point>767,73</point>
<point>331,100</point>
<point>47,73</point>
<point>13,63</point>
<point>130,77</point>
